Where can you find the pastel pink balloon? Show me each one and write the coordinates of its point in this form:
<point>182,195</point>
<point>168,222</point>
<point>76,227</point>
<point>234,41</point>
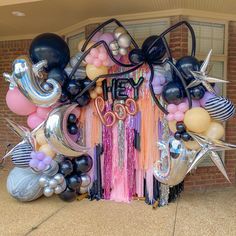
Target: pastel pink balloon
<point>170,117</point>
<point>18,103</point>
<point>96,37</point>
<point>172,108</point>
<point>158,89</point>
<point>106,62</point>
<point>43,112</point>
<point>107,37</point>
<point>94,52</point>
<point>97,62</point>
<point>102,56</point>
<point>183,107</point>
<point>101,49</point>
<point>89,59</point>
<point>33,121</point>
<point>179,116</point>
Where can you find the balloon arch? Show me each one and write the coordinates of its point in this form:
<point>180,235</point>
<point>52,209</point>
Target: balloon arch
<point>116,121</point>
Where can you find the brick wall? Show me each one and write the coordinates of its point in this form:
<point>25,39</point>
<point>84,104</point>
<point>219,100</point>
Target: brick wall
<point>9,50</point>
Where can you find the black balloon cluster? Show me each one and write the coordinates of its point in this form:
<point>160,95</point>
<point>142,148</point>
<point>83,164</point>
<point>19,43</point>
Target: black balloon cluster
<point>74,172</point>
<point>71,124</point>
<point>181,132</point>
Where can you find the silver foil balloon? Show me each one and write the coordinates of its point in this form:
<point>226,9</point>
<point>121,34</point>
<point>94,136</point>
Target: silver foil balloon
<point>55,130</point>
<point>48,192</point>
<point>26,77</point>
<point>124,40</point>
<point>86,180</point>
<point>119,31</point>
<point>173,164</point>
<point>59,178</point>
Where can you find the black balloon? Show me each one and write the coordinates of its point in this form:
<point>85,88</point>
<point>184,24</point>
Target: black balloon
<point>57,74</point>
<point>83,100</point>
<point>177,135</point>
<point>72,118</point>
<point>156,52</point>
<point>136,56</point>
<point>72,128</point>
<point>64,96</point>
<point>173,92</point>
<point>180,127</point>
<point>73,181</point>
<point>85,82</point>
<point>187,64</point>
<point>65,167</point>
<point>197,92</point>
<point>82,164</point>
<point>186,137</point>
<point>73,88</point>
<point>52,48</point>
<point>68,195</point>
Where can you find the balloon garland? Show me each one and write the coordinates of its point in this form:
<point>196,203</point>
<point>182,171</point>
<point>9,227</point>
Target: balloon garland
<point>114,121</point>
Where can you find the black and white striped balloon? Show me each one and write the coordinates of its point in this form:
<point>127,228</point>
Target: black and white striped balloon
<point>220,108</point>
<point>21,155</point>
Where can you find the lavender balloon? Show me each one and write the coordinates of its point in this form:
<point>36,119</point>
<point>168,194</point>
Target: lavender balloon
<point>206,97</point>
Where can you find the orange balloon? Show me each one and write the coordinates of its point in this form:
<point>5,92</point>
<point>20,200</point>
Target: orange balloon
<point>215,130</point>
<point>93,71</point>
<point>47,150</point>
<point>192,145</point>
<point>172,125</point>
<point>197,120</point>
<point>40,138</point>
<point>93,94</point>
<point>98,90</point>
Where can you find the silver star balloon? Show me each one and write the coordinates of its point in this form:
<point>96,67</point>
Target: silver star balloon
<point>24,133</point>
<point>201,77</point>
<point>210,147</point>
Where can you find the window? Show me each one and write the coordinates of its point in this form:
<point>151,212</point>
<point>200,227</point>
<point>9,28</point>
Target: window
<point>140,30</point>
<point>73,42</point>
<point>211,36</point>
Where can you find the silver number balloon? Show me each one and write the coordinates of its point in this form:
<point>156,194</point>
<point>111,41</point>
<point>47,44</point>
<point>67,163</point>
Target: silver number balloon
<point>173,164</point>
<point>25,77</point>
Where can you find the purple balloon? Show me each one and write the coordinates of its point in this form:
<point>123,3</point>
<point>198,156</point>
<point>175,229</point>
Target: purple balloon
<point>158,89</point>
<point>206,97</point>
<point>195,103</point>
<point>96,37</point>
<point>33,163</point>
<point>33,155</point>
<point>107,37</point>
<point>40,156</point>
<point>47,160</point>
<point>41,166</point>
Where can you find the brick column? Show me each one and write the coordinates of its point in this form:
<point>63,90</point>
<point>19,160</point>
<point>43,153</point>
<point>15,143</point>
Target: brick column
<point>9,51</point>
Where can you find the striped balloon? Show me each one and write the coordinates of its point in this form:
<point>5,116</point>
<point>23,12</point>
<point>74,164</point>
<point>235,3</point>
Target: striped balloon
<point>220,108</point>
<point>21,155</point>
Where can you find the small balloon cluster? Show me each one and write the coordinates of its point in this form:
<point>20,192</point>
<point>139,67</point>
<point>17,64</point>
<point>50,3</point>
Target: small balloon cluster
<point>110,95</point>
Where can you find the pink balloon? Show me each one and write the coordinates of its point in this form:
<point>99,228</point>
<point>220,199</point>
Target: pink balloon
<point>106,62</point>
<point>97,62</point>
<point>179,116</point>
<point>89,59</point>
<point>33,120</point>
<point>96,37</point>
<point>158,89</point>
<point>43,112</point>
<point>94,52</point>
<point>107,37</point>
<point>206,97</point>
<point>172,108</point>
<point>18,103</point>
<point>183,107</point>
<point>101,49</point>
<point>102,56</point>
<point>170,117</point>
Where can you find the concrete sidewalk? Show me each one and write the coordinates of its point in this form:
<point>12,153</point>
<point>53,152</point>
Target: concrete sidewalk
<point>210,212</point>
